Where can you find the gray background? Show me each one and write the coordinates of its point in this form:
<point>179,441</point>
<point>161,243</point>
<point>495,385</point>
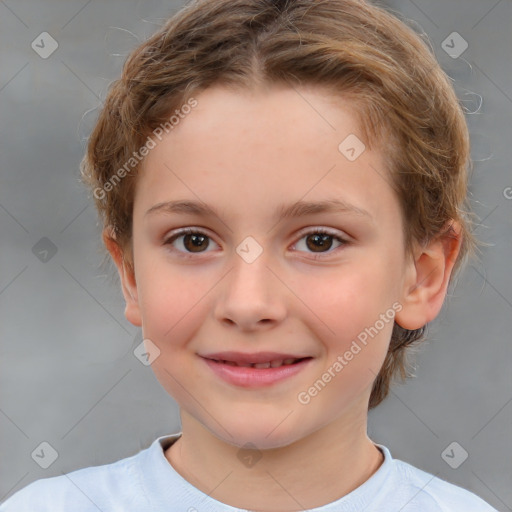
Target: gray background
<point>68,373</point>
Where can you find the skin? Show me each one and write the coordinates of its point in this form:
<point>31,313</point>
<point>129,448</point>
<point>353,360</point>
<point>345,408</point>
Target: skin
<point>245,153</point>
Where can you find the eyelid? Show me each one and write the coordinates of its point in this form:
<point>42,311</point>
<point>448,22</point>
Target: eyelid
<point>329,231</point>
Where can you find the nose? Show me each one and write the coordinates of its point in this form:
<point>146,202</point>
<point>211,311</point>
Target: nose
<point>251,297</point>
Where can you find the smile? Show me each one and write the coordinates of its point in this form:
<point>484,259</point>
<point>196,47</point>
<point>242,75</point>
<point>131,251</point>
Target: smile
<point>248,375</point>
<point>276,363</point>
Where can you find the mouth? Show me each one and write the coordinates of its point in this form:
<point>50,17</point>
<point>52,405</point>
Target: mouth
<point>256,372</point>
<point>275,363</point>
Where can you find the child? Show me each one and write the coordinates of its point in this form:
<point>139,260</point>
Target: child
<point>282,186</point>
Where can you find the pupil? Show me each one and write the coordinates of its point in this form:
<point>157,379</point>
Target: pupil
<point>196,242</point>
<point>321,239</point>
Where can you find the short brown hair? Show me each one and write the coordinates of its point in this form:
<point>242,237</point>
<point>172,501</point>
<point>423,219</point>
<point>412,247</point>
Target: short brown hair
<point>405,103</point>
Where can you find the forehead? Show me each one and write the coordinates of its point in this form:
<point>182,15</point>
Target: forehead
<point>263,113</point>
<point>259,146</point>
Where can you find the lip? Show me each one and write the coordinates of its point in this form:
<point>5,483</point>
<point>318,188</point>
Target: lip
<point>248,377</point>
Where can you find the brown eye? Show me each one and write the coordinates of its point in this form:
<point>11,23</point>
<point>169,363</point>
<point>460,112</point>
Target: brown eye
<point>317,242</point>
<point>320,241</point>
<point>193,241</point>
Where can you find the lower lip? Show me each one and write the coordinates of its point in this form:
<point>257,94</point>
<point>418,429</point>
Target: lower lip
<point>248,377</point>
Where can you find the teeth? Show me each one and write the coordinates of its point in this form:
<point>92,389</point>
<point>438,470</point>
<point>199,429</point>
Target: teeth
<point>269,364</point>
<point>261,365</point>
<point>245,365</point>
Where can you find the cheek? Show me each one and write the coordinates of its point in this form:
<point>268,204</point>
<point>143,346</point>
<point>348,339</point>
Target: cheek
<point>169,292</point>
<point>353,358</point>
<point>172,312</point>
<point>345,302</point>
<point>352,315</point>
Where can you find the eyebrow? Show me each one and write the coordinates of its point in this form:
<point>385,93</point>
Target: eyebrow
<point>297,209</point>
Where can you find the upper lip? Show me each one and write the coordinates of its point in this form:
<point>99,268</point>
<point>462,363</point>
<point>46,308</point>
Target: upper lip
<point>252,358</point>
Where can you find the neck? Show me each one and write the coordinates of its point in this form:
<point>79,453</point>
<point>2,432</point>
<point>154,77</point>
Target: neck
<point>313,471</point>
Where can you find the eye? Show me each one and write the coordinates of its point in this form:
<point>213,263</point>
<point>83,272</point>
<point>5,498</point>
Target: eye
<point>194,241</point>
<point>320,240</point>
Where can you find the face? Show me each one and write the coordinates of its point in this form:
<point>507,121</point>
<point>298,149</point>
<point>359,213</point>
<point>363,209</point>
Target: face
<point>248,280</point>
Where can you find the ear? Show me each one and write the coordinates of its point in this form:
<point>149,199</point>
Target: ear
<point>127,276</point>
<point>427,278</point>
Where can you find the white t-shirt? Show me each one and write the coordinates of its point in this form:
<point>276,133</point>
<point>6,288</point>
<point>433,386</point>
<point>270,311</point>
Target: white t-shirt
<point>146,482</point>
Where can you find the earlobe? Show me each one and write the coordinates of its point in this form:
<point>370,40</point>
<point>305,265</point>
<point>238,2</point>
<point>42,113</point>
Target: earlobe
<point>427,279</point>
<point>127,278</point>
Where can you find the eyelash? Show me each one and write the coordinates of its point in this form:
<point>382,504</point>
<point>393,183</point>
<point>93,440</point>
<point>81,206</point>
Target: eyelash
<point>314,231</point>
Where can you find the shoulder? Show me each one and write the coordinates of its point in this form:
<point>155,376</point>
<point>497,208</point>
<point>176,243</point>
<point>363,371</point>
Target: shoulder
<point>105,488</point>
<point>426,492</point>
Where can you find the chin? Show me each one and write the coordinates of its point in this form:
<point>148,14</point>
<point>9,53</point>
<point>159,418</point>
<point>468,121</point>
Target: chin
<point>263,435</point>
